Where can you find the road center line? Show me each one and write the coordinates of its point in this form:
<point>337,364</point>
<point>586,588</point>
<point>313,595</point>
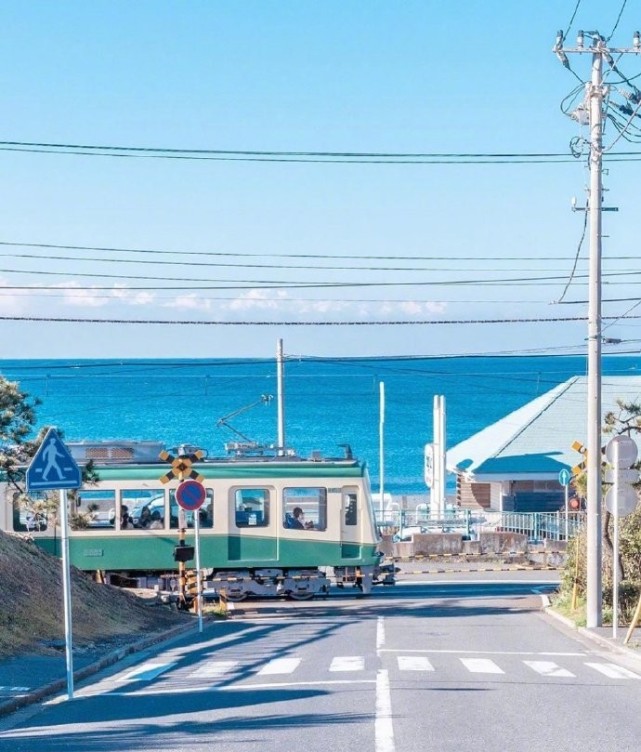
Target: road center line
<point>383,728</point>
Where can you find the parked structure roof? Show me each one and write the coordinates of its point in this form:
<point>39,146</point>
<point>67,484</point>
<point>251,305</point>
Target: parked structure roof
<point>535,441</point>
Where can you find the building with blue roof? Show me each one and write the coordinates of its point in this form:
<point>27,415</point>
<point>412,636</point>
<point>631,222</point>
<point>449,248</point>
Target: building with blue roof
<point>514,464</point>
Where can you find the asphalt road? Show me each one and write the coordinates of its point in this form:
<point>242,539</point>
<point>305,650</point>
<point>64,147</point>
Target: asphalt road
<point>426,666</point>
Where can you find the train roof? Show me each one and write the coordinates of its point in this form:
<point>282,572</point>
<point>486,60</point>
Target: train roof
<point>142,459</point>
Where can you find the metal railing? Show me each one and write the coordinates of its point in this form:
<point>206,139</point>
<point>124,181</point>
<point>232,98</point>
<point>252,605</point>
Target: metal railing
<point>538,526</point>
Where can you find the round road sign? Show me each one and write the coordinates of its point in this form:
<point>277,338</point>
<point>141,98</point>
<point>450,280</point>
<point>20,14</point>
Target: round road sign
<point>190,495</point>
<point>622,501</point>
<point>565,476</point>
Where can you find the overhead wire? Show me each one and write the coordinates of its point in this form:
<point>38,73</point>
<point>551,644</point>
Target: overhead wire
<point>614,28</point>
<point>577,255</point>
<point>243,155</point>
<point>571,21</point>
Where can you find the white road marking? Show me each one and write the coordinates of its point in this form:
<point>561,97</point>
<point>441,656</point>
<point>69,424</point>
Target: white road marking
<point>414,663</point>
<point>147,671</point>
<point>280,666</point>
<point>234,688</point>
<point>485,652</point>
<point>347,663</point>
<point>214,669</point>
<point>612,671</point>
<point>383,727</point>
<point>481,666</point>
<point>548,668</point>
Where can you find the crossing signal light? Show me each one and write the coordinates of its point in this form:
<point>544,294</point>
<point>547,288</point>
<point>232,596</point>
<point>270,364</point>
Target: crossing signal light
<point>183,553</point>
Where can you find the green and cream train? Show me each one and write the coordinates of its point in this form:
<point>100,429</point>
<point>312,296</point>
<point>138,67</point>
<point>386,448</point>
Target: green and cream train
<point>270,525</point>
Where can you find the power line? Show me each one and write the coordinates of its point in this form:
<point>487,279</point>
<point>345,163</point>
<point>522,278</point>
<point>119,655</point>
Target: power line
<point>243,155</point>
<point>394,322</point>
<point>266,254</point>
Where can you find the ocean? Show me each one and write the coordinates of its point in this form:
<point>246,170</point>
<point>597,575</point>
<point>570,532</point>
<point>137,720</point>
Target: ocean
<point>328,402</point>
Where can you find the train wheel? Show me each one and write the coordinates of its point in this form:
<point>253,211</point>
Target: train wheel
<point>236,597</point>
<point>301,596</point>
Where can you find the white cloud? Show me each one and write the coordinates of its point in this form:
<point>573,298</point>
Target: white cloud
<point>257,300</point>
<point>191,302</point>
<point>82,297</point>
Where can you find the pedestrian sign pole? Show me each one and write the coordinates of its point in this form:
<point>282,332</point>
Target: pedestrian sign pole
<point>54,469</point>
<point>190,496</point>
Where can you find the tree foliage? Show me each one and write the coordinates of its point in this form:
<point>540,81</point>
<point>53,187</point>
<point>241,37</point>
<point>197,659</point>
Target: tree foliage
<point>626,420</point>
<point>19,442</point>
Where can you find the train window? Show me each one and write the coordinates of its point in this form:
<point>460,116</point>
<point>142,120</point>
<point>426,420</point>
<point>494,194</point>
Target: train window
<point>351,508</point>
<point>91,509</point>
<point>205,513</point>
<point>29,516</point>
<point>252,507</point>
<point>142,509</point>
<point>305,508</point>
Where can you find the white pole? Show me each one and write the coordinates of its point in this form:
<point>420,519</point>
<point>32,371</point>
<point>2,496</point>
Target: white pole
<point>594,543</point>
<point>567,508</point>
<point>200,582</point>
<point>381,445</point>
<point>66,590</point>
<point>442,448</point>
<point>615,544</point>
<point>435,495</point>
<point>280,400</point>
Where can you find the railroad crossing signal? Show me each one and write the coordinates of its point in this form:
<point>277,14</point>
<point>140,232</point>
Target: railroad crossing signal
<point>181,466</point>
<point>192,583</point>
<point>578,447</point>
<point>582,466</point>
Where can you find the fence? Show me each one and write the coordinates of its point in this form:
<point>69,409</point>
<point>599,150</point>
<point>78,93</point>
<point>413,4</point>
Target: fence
<point>538,526</point>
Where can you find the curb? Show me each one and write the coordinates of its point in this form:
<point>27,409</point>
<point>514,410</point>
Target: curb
<point>585,632</point>
<point>9,706</point>
<point>514,568</point>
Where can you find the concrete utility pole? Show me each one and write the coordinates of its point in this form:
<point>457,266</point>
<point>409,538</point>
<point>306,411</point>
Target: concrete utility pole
<point>595,95</point>
<point>280,382</point>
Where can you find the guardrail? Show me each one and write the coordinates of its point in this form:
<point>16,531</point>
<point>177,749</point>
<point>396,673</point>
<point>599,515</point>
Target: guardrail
<point>538,526</point>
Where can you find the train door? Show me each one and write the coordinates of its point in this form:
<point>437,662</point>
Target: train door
<point>350,523</point>
<point>252,525</point>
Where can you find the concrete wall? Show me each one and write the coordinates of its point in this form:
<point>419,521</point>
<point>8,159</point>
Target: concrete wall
<point>452,544</point>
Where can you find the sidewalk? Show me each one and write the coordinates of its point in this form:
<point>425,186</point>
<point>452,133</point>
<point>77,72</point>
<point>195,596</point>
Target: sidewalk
<point>27,679</point>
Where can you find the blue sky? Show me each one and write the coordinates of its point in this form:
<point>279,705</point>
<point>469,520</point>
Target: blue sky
<point>332,76</point>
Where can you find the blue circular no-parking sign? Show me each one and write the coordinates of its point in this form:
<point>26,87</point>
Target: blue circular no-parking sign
<point>190,495</point>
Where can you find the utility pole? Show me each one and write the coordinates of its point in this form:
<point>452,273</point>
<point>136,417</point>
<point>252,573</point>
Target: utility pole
<point>594,100</point>
<point>280,381</point>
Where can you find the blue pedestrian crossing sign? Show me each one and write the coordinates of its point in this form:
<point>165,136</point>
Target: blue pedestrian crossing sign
<point>53,466</point>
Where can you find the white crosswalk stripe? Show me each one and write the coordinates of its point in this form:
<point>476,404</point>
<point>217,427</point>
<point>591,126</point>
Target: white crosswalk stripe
<point>612,671</point>
<point>481,666</point>
<point>414,663</point>
<point>280,666</point>
<point>147,671</point>
<point>214,669</point>
<point>548,668</point>
<point>347,663</point>
<point>211,673</point>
